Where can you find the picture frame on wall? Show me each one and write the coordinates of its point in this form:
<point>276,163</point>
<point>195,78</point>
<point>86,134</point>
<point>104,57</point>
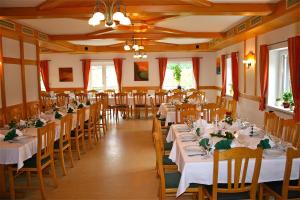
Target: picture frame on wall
<point>66,74</point>
<point>141,71</point>
<point>218,66</point>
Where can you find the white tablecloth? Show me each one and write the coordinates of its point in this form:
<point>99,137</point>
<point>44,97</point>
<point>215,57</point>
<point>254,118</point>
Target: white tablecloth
<point>197,169</point>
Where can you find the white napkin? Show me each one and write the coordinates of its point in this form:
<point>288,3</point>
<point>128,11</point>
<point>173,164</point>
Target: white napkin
<point>19,133</point>
<point>22,122</point>
<point>2,137</point>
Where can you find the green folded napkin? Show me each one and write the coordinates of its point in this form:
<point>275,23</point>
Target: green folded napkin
<point>264,144</point>
<point>10,135</point>
<point>38,123</point>
<point>228,135</point>
<point>58,115</point>
<point>88,103</point>
<point>70,110</point>
<point>228,120</point>
<point>198,131</point>
<point>80,106</point>
<point>223,144</point>
<point>205,144</point>
<point>12,124</point>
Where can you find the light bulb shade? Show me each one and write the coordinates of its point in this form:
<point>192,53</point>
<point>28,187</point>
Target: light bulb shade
<point>118,16</point>
<point>125,21</point>
<point>135,47</point>
<point>127,47</point>
<point>98,16</point>
<point>141,47</point>
<point>93,21</point>
<point>113,25</point>
<point>145,56</point>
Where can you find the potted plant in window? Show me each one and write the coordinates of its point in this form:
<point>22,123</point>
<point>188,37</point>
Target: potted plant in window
<point>287,97</point>
<point>177,74</point>
<point>278,102</point>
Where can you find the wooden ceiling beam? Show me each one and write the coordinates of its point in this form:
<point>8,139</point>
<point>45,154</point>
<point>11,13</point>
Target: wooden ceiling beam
<point>126,36</point>
<point>49,4</point>
<point>215,9</point>
<point>198,2</point>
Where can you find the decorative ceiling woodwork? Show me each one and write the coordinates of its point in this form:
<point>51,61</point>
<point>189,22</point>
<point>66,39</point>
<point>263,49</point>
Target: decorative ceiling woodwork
<point>145,14</point>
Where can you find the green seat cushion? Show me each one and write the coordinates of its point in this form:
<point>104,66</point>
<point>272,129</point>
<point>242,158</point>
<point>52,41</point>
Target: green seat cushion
<point>276,186</point>
<point>56,144</point>
<point>168,146</point>
<point>229,196</point>
<point>31,162</point>
<point>173,179</point>
<point>167,160</point>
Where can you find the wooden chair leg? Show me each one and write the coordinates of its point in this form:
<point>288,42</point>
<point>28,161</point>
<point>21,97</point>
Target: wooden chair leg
<point>11,184</point>
<point>77,148</point>
<point>83,143</point>
<point>70,156</point>
<point>42,186</point>
<point>53,173</point>
<point>62,162</point>
<point>28,174</point>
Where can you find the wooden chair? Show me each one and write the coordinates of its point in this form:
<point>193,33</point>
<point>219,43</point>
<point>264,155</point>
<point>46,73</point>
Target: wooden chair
<point>271,121</point>
<point>286,189</point>
<point>231,107</point>
<point>159,98</point>
<point>64,142</point>
<point>90,129</point>
<point>33,110</point>
<point>197,98</point>
<point>188,115</point>
<point>110,92</point>
<point>288,131</point>
<point>46,103</point>
<point>62,99</point>
<point>218,114</point>
<point>40,161</point>
<point>169,181</point>
<point>104,98</point>
<point>77,134</point>
<point>166,147</point>
<point>219,100</point>
<point>175,97</point>
<point>122,105</point>
<point>14,113</point>
<point>140,104</point>
<point>101,117</point>
<point>176,91</point>
<point>208,111</point>
<point>182,107</point>
<point>238,189</point>
<point>81,97</point>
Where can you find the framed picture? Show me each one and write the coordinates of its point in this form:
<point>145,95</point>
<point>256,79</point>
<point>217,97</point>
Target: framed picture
<point>66,74</point>
<point>218,66</point>
<point>141,71</point>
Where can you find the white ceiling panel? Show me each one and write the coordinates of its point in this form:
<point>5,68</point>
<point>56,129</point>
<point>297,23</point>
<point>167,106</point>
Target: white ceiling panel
<point>96,42</point>
<point>184,40</point>
<point>201,23</point>
<point>61,26</point>
<point>20,3</point>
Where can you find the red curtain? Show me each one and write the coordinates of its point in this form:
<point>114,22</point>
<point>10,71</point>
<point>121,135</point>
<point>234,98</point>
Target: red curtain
<point>196,70</point>
<point>223,62</point>
<point>162,65</point>
<point>294,62</point>
<point>86,66</point>
<point>235,75</point>
<point>44,68</point>
<point>118,62</point>
<point>264,72</point>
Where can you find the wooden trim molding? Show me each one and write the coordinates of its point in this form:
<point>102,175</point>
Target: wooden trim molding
<point>3,96</point>
<point>255,67</point>
<point>23,76</point>
<point>249,97</point>
<point>38,68</point>
<point>59,90</point>
<point>10,60</point>
<point>210,87</point>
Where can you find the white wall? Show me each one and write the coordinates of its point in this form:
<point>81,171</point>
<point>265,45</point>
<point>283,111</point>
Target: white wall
<point>207,68</point>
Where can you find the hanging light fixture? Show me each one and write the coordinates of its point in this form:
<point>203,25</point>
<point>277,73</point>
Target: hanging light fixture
<point>110,17</point>
<point>140,55</point>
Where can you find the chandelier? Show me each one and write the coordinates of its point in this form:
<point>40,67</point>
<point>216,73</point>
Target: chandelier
<point>140,55</point>
<point>112,14</point>
<point>134,45</point>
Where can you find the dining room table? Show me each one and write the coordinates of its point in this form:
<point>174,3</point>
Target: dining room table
<point>24,146</point>
<point>196,164</point>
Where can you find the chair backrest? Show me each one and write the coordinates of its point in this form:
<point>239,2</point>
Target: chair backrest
<point>33,110</point>
<point>288,130</point>
<point>177,97</point>
<point>139,98</point>
<point>45,144</point>
<point>14,113</point>
<point>80,122</point>
<point>103,97</point>
<point>188,115</point>
<point>286,187</point>
<point>45,101</point>
<point>81,97</point>
<point>208,111</point>
<point>218,100</point>
<point>182,107</point>
<point>160,97</point>
<point>271,123</point>
<point>62,99</point>
<point>110,92</point>
<point>231,107</point>
<point>218,114</point>
<point>236,180</point>
<point>121,98</point>
<point>92,115</point>
<point>197,98</point>
<point>65,128</point>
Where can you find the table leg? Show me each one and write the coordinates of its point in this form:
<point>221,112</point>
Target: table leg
<point>3,192</point>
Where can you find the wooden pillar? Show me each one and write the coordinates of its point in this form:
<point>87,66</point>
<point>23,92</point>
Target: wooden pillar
<point>2,82</point>
<point>23,77</point>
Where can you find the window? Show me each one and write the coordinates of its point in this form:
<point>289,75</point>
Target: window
<point>42,83</point>
<point>187,75</point>
<point>102,76</point>
<point>229,86</point>
<point>279,76</point>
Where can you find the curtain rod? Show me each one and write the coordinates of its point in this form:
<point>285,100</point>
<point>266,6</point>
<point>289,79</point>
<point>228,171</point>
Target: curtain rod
<point>277,43</point>
<point>182,57</point>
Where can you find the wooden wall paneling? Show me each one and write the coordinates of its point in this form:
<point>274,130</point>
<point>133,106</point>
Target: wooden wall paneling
<point>255,68</point>
<point>38,68</point>
<point>23,76</point>
<point>2,82</point>
<point>245,67</point>
<point>15,112</point>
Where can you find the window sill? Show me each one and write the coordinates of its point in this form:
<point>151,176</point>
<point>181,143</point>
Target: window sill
<point>280,109</point>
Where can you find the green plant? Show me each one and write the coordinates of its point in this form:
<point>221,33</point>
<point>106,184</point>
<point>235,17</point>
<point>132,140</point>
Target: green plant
<point>287,97</point>
<point>177,73</point>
